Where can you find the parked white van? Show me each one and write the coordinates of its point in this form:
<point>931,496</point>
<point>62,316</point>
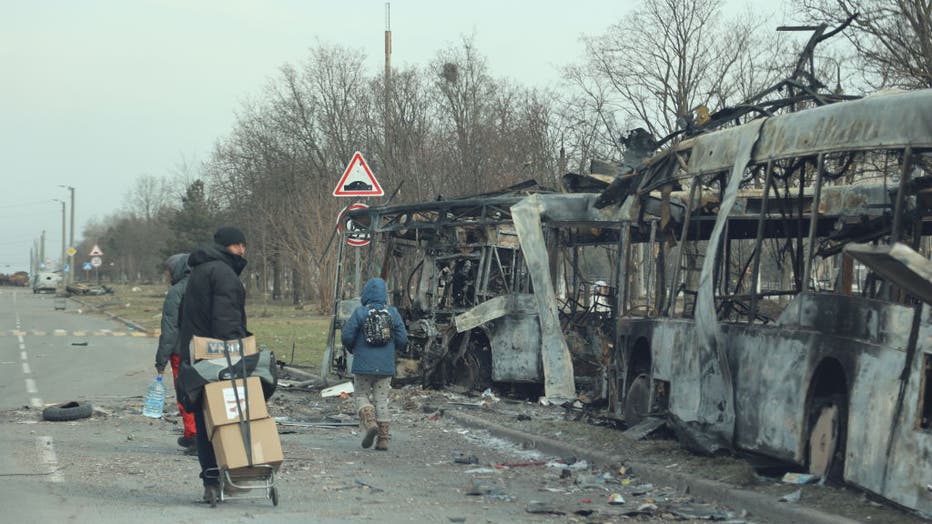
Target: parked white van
<point>46,281</point>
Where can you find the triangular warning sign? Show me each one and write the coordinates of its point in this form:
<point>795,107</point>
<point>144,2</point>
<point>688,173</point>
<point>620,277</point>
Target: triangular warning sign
<point>96,252</point>
<point>358,180</point>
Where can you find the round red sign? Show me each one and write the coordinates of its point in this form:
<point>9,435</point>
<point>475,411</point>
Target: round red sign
<point>356,234</point>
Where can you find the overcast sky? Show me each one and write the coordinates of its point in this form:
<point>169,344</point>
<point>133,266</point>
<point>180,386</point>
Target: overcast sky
<point>95,93</point>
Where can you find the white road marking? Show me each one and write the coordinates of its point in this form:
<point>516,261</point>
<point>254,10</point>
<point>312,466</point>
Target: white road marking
<point>60,332</point>
<point>44,446</point>
<point>46,454</point>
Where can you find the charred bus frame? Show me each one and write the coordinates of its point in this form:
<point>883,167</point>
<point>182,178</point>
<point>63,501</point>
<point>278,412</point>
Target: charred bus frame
<point>757,341</point>
<point>733,304</point>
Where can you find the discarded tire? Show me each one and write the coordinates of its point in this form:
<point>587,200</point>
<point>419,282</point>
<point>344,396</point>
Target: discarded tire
<point>68,411</point>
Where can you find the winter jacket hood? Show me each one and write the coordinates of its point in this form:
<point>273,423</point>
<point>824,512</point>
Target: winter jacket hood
<point>210,253</point>
<point>374,292</point>
<point>178,266</point>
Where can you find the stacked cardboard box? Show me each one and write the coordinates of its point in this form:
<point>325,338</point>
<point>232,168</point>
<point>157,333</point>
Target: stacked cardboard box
<point>229,423</point>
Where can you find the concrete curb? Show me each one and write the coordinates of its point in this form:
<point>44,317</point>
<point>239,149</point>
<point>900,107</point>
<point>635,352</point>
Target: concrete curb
<point>757,504</point>
<point>120,319</point>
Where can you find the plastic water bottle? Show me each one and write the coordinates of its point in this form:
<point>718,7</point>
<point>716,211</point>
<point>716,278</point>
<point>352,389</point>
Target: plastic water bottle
<point>155,399</point>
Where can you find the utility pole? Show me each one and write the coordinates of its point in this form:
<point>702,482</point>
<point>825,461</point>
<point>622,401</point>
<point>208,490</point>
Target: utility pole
<point>42,249</point>
<point>62,232</point>
<point>388,160</point>
<point>70,277</point>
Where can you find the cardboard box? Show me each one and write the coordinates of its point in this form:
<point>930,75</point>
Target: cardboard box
<point>220,406</point>
<point>231,450</point>
<point>208,348</point>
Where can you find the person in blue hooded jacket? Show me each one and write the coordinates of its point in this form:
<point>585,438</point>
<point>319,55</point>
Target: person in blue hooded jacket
<point>373,365</point>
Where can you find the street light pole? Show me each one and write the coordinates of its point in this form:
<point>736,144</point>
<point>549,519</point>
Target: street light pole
<point>62,231</point>
<point>70,237</point>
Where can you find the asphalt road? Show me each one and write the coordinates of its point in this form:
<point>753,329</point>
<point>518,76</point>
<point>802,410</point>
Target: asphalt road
<point>118,466</point>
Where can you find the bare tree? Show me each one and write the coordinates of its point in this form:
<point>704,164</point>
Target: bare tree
<point>149,196</point>
<point>656,66</point>
<point>892,38</point>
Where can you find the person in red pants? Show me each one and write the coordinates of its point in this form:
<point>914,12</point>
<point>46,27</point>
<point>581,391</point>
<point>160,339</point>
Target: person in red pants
<point>177,270</point>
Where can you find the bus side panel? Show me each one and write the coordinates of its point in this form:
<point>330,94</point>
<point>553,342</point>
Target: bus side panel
<point>870,420</point>
<point>770,367</point>
<point>516,349</point>
<point>909,473</point>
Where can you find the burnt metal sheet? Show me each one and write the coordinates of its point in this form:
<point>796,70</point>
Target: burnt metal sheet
<point>716,410</point>
<point>910,463</point>
<point>515,341</point>
<point>899,264</point>
<point>853,317</point>
<point>559,383</point>
<point>882,121</point>
<point>529,216</point>
<point>874,390</point>
<point>494,308</point>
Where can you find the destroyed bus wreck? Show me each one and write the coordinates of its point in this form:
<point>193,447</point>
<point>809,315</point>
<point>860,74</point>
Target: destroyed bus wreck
<point>761,289</point>
<point>769,325</point>
<point>474,280</point>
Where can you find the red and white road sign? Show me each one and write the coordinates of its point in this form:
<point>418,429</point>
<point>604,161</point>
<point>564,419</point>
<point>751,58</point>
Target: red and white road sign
<point>356,234</point>
<point>96,252</point>
<point>358,180</point>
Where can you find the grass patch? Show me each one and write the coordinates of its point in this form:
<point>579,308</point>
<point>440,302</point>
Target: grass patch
<point>278,327</point>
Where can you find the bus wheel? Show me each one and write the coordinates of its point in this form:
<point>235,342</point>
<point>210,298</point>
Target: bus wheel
<point>826,453</point>
<point>637,401</point>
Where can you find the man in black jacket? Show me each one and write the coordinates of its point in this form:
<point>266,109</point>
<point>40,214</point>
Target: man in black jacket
<point>214,306</point>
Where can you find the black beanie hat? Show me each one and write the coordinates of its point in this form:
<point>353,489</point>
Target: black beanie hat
<point>227,236</point>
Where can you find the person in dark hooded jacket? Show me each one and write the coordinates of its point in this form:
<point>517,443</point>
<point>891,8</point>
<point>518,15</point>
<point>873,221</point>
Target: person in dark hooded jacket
<point>176,267</point>
<point>373,366</point>
<point>214,306</point>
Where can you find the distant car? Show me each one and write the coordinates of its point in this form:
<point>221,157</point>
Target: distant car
<point>46,282</point>
<point>357,185</point>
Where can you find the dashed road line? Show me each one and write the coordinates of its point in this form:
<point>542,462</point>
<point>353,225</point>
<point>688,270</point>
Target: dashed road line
<point>31,386</point>
<point>45,450</point>
<point>26,370</point>
<point>64,333</point>
<point>36,402</point>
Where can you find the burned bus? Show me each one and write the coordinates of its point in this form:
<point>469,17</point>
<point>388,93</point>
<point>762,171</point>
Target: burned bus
<point>787,311</point>
<point>501,288</point>
<point>763,287</point>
